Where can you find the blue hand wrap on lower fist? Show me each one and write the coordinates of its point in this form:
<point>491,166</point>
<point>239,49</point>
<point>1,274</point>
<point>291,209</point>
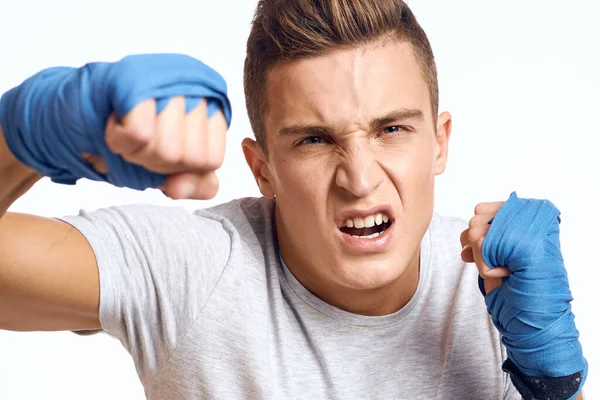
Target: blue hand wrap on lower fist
<point>531,308</point>
<point>59,113</point>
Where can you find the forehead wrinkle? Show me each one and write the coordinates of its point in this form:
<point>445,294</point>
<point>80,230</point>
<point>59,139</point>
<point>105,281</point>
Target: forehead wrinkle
<point>340,90</point>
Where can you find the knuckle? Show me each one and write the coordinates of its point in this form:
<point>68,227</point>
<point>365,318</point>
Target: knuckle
<point>479,221</point>
<point>217,126</point>
<point>473,236</point>
<point>206,159</point>
<point>215,160</point>
<point>112,141</point>
<point>480,208</point>
<point>484,272</point>
<point>195,161</point>
<point>141,134</point>
<point>463,238</point>
<point>169,156</point>
<point>480,242</point>
<point>474,222</point>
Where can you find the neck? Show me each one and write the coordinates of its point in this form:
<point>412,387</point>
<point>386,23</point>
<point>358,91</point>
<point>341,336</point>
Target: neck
<point>381,301</point>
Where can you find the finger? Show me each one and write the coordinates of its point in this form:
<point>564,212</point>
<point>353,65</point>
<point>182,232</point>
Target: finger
<point>467,254</point>
<point>163,153</point>
<point>96,162</point>
<point>485,208</point>
<point>135,131</point>
<point>171,135</point>
<point>482,266</point>
<point>490,284</point>
<point>481,219</point>
<point>195,150</point>
<point>477,233</point>
<point>484,269</point>
<point>464,238</point>
<point>198,186</point>
<point>217,137</point>
<point>498,272</point>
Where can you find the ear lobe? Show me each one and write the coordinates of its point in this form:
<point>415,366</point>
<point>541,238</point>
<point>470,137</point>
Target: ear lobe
<point>444,129</point>
<point>255,157</point>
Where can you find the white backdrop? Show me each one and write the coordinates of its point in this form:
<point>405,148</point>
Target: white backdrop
<point>520,78</point>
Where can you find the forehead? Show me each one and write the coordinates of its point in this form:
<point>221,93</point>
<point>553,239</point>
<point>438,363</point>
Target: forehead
<point>345,89</point>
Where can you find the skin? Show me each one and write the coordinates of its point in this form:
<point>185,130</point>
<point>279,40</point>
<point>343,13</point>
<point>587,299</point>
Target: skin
<point>356,164</point>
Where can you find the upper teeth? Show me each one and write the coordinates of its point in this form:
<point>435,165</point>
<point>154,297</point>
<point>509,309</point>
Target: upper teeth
<point>366,222</point>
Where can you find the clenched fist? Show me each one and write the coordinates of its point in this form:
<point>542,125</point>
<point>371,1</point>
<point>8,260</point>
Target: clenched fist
<point>188,147</point>
<point>146,121</point>
<point>516,247</point>
<point>471,240</point>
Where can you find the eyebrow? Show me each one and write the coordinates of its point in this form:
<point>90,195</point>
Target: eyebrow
<point>397,116</point>
<point>321,130</point>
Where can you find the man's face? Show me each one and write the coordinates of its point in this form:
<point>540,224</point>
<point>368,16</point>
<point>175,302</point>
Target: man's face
<point>353,153</point>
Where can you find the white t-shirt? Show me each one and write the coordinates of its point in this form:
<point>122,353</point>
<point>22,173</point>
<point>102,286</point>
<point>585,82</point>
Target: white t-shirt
<point>207,309</point>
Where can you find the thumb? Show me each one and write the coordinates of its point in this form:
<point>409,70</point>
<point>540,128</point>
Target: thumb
<point>188,185</point>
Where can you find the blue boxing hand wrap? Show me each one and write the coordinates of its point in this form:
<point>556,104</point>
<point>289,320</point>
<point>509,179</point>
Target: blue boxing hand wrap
<point>59,113</point>
<point>531,308</point>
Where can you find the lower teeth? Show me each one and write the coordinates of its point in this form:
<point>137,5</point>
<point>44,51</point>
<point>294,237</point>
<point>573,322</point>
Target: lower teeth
<point>368,237</point>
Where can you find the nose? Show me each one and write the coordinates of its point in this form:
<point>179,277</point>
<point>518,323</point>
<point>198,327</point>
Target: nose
<point>359,172</point>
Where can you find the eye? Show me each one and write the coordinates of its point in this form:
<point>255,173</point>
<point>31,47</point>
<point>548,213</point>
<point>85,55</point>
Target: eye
<point>312,140</point>
<point>395,129</point>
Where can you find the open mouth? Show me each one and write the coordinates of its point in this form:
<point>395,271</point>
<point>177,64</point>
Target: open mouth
<point>367,228</point>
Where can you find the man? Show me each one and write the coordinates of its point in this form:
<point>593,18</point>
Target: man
<point>340,282</point>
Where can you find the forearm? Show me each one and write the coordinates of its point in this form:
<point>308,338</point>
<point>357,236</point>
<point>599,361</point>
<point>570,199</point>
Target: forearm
<point>48,271</point>
<point>15,178</point>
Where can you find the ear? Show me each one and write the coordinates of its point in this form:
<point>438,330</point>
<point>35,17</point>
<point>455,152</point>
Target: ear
<point>255,157</point>
<point>444,128</point>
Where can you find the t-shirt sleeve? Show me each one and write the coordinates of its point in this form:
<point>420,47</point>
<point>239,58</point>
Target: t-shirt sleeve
<point>157,268</point>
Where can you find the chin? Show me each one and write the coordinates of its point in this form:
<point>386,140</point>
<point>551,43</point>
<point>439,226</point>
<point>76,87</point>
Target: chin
<point>371,274</point>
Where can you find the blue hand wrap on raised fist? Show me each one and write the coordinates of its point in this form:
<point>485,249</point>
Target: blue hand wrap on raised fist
<point>58,114</point>
<point>531,308</point>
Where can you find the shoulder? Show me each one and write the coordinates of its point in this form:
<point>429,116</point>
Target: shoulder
<point>248,217</point>
<point>246,210</point>
<point>234,213</point>
<point>144,222</point>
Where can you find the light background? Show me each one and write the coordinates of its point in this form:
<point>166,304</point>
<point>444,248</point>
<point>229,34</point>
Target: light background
<point>520,78</point>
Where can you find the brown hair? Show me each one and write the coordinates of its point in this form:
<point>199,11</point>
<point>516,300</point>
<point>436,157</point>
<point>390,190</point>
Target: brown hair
<point>287,30</point>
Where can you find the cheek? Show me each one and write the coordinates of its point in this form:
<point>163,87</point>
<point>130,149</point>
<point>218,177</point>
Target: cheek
<point>296,181</point>
<point>302,191</point>
<point>411,168</point>
<point>302,187</point>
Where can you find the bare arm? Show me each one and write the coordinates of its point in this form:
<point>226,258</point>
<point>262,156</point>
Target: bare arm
<point>48,274</point>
